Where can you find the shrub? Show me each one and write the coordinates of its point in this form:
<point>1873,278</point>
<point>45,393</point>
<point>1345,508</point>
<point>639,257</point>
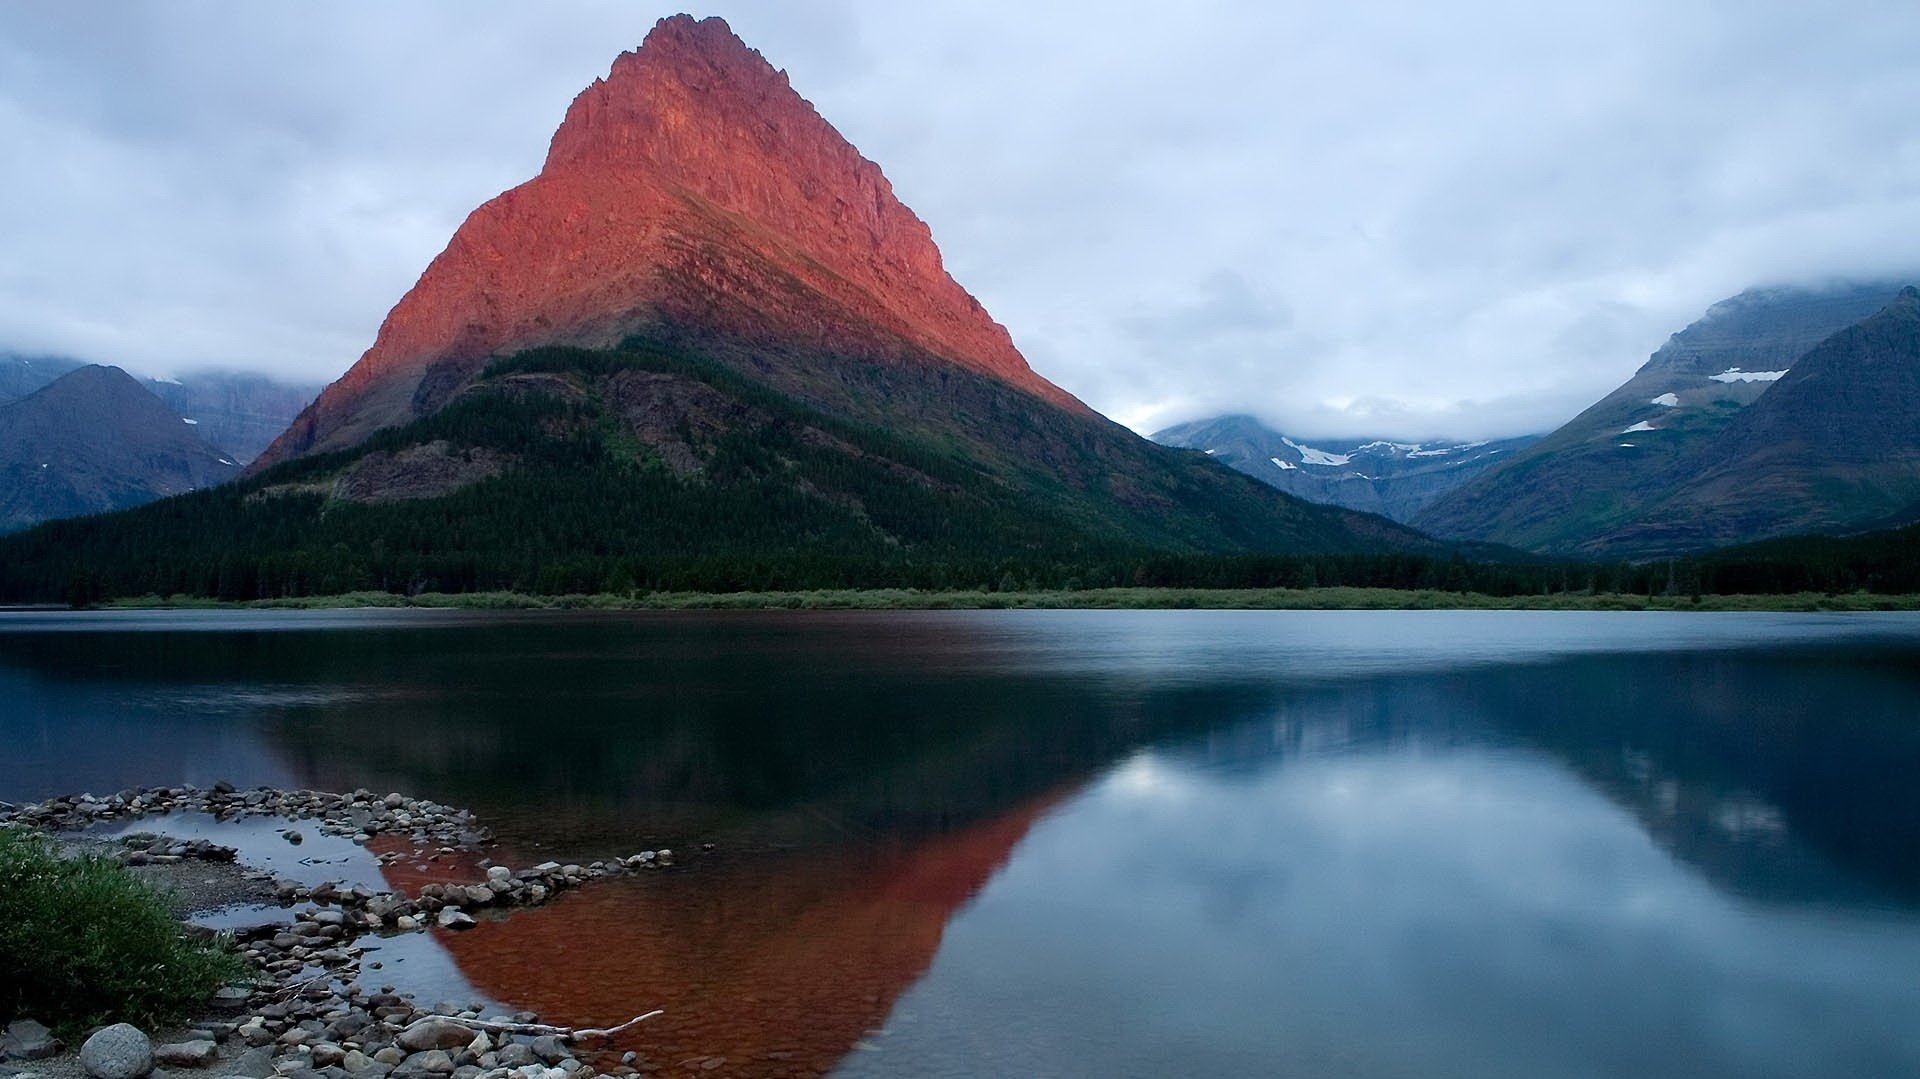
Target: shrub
<point>84,942</point>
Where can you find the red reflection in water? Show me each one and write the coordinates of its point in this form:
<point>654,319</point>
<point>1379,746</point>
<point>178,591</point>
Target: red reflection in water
<point>417,868</point>
<point>771,965</point>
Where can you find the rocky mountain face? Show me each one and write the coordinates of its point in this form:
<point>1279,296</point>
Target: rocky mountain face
<point>1393,479</point>
<point>1578,491</point>
<point>95,440</point>
<point>690,191</point>
<point>1833,447</point>
<point>239,412</point>
<point>705,348</point>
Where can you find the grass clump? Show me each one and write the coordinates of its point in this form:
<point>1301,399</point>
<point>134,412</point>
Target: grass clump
<point>85,942</point>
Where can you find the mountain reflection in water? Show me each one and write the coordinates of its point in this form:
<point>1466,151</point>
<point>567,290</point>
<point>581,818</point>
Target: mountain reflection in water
<point>1210,843</point>
<point>775,965</point>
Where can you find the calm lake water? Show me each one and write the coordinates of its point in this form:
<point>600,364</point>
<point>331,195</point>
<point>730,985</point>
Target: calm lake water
<point>1312,844</point>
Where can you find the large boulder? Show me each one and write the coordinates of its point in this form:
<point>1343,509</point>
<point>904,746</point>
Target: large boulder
<point>120,1051</point>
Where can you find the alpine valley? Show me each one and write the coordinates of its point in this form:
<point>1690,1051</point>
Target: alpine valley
<point>705,347</point>
<point>1394,479</point>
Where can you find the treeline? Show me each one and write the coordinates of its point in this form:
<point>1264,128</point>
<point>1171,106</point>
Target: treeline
<point>784,499</point>
<point>387,561</point>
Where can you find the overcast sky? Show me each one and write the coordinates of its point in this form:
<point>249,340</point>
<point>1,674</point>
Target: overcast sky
<point>1349,218</point>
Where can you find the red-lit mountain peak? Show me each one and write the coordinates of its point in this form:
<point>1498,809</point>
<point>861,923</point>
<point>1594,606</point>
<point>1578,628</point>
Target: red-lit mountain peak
<point>691,188</point>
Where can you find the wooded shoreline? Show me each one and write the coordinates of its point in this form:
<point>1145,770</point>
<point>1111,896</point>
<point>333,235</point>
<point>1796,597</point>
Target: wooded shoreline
<point>1384,599</point>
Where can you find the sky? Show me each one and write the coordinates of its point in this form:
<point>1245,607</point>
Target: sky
<point>1405,220</point>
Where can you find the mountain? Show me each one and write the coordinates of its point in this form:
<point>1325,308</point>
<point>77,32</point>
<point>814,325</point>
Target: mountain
<point>21,374</point>
<point>705,347</point>
<point>1393,479</point>
<point>238,412</point>
<point>1571,492</point>
<point>95,440</point>
<point>1833,447</point>
<point>692,191</point>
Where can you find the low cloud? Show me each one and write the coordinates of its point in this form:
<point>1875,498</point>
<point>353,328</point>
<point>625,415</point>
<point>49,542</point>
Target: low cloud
<point>1378,219</point>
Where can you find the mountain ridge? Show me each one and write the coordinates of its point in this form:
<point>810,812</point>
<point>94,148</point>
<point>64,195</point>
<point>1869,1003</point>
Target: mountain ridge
<point>96,440</point>
<point>1395,479</point>
<point>1575,487</point>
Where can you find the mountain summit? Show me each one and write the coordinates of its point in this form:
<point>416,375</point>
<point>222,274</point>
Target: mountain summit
<point>691,190</point>
<point>705,348</point>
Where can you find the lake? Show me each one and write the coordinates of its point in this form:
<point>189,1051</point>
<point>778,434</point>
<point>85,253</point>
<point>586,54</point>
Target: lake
<point>1080,843</point>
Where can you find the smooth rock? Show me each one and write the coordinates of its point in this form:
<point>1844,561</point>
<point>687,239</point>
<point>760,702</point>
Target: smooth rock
<point>120,1051</point>
<point>549,1048</point>
<point>189,1054</point>
<point>431,1062</point>
<point>434,1034</point>
<point>454,918</point>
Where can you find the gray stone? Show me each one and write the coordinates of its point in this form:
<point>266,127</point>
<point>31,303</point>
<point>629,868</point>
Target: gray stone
<point>514,1055</point>
<point>390,1055</point>
<point>253,1064</point>
<point>431,1062</point>
<point>549,1048</point>
<point>120,1051</point>
<point>454,918</point>
<point>434,1034</point>
<point>189,1054</point>
<point>27,1040</point>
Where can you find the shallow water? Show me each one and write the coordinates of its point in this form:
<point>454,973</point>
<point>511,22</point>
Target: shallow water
<point>1103,843</point>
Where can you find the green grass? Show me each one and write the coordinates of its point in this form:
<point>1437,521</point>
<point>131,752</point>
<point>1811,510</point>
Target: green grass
<point>84,942</point>
<point>1330,599</point>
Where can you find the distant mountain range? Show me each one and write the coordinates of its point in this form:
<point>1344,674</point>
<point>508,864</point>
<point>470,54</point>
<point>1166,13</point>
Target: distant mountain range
<point>95,440</point>
<point>239,412</point>
<point>1394,479</point>
<point>1782,410</point>
<point>705,347</point>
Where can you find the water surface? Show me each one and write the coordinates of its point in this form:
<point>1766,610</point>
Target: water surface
<point>1103,843</point>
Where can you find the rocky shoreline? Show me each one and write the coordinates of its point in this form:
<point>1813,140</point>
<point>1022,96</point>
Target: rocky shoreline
<point>308,1013</point>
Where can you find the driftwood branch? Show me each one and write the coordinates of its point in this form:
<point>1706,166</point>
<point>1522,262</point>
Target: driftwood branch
<point>492,1026</point>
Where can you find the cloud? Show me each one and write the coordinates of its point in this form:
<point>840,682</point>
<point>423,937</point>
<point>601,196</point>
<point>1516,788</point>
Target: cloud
<point>1467,219</point>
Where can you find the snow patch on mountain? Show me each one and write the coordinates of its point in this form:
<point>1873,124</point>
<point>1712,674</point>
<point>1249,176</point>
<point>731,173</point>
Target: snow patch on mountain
<point>1284,465</point>
<point>1311,456</point>
<point>1641,426</point>
<point>1734,374</point>
<point>1666,400</point>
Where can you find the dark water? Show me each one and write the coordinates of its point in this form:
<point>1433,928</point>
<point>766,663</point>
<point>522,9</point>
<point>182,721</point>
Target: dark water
<point>1104,844</point>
